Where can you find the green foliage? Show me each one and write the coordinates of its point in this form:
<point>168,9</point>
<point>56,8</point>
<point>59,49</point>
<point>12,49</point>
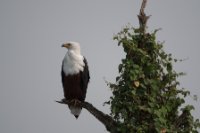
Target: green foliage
<point>146,95</point>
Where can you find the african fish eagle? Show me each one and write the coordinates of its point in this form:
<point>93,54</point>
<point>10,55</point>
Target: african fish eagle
<point>75,77</point>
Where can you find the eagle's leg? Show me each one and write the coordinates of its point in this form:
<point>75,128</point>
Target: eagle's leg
<point>71,102</point>
<point>75,102</point>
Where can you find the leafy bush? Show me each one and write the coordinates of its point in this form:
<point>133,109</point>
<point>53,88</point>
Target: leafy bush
<point>147,96</point>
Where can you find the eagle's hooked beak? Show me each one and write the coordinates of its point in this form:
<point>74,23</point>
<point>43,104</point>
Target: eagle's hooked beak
<point>66,45</point>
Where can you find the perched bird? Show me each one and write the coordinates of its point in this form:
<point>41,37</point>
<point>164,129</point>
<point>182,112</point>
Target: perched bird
<point>75,77</point>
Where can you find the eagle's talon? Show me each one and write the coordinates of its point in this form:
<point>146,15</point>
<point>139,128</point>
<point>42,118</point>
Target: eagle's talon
<point>64,100</point>
<point>75,102</point>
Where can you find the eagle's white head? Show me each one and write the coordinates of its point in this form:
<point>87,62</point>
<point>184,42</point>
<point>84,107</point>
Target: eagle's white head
<point>73,46</point>
<point>73,61</point>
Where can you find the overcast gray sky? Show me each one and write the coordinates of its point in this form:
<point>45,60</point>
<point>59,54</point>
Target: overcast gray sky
<point>31,34</point>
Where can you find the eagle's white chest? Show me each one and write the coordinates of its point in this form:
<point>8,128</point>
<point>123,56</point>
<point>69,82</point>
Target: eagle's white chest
<point>72,63</point>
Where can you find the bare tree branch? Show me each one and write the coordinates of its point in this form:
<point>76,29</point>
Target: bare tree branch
<point>107,120</point>
<point>142,17</point>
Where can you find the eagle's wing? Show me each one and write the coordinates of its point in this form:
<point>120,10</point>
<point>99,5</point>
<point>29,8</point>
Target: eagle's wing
<point>85,77</point>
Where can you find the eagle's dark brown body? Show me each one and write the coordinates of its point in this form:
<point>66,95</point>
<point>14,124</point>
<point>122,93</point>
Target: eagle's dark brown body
<point>75,86</point>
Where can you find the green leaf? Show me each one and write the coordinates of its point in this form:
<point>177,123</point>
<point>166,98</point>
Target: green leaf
<point>117,78</point>
<point>169,67</point>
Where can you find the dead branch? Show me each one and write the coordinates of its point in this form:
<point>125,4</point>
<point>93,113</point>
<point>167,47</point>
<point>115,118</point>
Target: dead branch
<point>142,17</point>
<point>107,120</point>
